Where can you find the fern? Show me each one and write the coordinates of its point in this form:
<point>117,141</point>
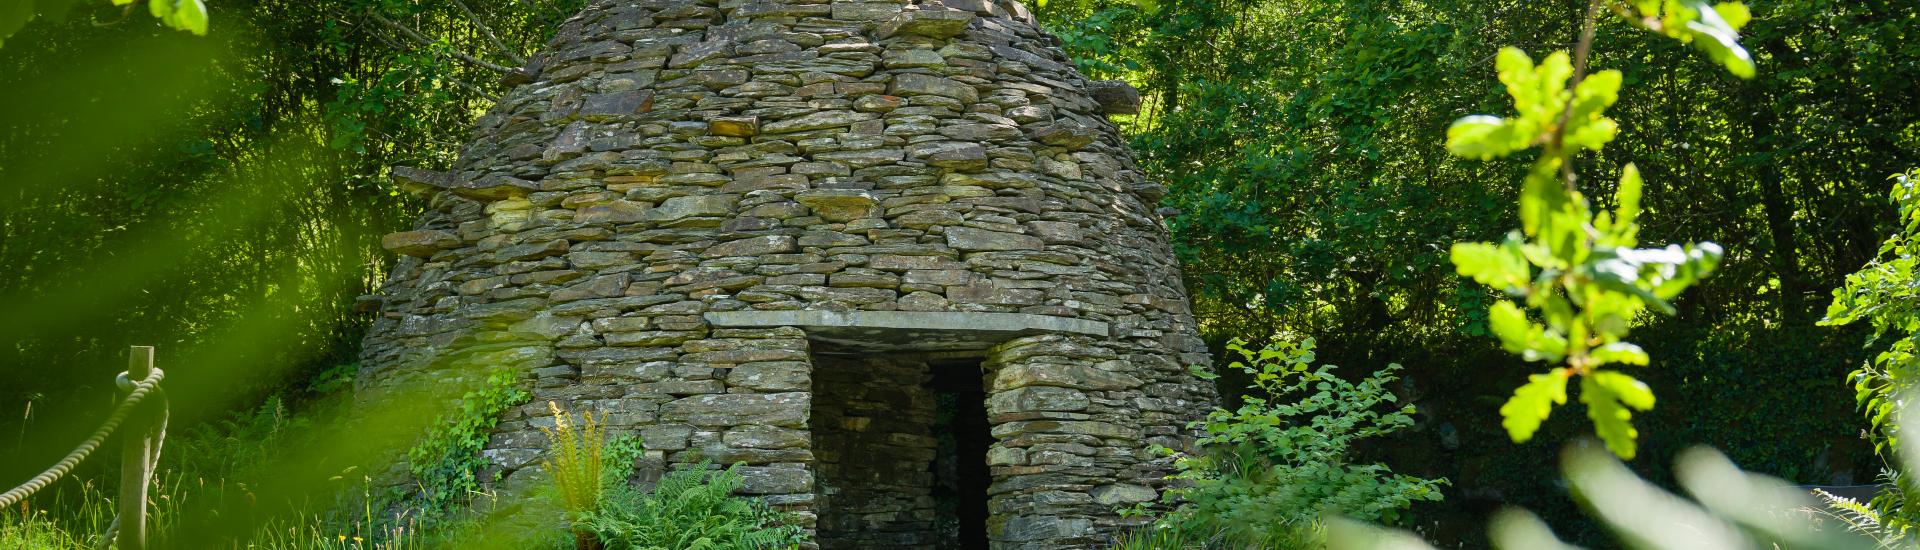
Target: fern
<point>1863,519</point>
<point>578,447</point>
<point>693,509</point>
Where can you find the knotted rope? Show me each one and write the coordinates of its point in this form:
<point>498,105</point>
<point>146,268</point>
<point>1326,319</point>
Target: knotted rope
<point>140,390</point>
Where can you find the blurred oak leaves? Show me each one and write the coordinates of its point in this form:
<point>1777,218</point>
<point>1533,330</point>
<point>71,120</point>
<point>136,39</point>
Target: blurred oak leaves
<point>1579,271</point>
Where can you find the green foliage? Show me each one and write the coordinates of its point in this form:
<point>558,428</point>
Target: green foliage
<point>689,509</point>
<point>220,466</point>
<point>1271,469</point>
<point>208,210</point>
<point>1862,519</point>
<point>1592,283</point>
<point>1297,142</point>
<point>1730,508</point>
<point>621,451</point>
<point>1153,537</point>
<point>35,530</point>
<point>186,15</point>
<point>446,463</point>
<point>1712,28</point>
<point>1883,295</point>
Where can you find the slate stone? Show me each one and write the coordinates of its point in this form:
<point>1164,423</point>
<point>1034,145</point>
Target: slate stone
<point>694,54</point>
<point>971,239</point>
<point>816,121</point>
<point>746,126</point>
<point>957,155</point>
<point>421,243</point>
<point>839,205</point>
<point>684,207</point>
<point>755,246</point>
<point>618,211</point>
<point>786,410</point>
<point>1115,97</point>
<point>629,102</point>
<point>912,84</point>
<point>495,187</point>
<point>931,23</point>
<point>1079,377</point>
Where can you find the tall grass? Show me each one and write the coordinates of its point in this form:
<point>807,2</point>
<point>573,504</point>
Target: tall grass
<point>198,474</point>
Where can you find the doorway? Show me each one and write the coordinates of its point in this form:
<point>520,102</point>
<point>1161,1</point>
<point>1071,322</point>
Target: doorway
<point>900,447</point>
<point>960,473</point>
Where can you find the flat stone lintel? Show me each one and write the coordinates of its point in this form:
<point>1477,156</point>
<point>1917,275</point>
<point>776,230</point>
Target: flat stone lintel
<point>910,330</point>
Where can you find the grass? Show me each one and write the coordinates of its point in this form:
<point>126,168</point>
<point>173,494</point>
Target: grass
<point>197,475</point>
<point>75,516</point>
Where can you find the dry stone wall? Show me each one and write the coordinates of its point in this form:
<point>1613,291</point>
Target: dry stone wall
<point>681,199</point>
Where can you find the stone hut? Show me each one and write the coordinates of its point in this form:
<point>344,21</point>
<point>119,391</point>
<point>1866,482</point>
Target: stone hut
<point>891,255</point>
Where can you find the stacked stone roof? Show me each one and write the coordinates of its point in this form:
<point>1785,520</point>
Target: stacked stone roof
<point>683,202</point>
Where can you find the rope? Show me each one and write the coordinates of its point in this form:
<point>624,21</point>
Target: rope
<point>59,469</point>
<point>159,440</point>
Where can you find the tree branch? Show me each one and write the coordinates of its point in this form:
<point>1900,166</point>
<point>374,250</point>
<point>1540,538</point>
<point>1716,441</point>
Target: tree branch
<point>1581,51</point>
<point>430,43</point>
<point>488,32</point>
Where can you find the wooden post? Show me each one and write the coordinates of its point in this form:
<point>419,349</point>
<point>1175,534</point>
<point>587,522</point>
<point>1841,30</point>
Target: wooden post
<point>136,458</point>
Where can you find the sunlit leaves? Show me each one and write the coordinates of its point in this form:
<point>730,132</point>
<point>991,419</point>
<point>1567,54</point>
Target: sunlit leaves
<point>1586,128</point>
<point>186,15</point>
<point>1619,228</point>
<point>1623,353</point>
<point>1712,28</point>
<point>1485,137</point>
<point>1539,94</point>
<point>1532,402</point>
<point>1536,89</point>
<point>1612,285</point>
<point>1593,280</point>
<point>1608,395</point>
<point>1501,266</point>
<point>1540,102</point>
<point>1886,294</point>
<point>1523,337</point>
<point>1548,210</point>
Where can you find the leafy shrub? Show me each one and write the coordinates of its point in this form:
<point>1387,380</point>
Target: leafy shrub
<point>1882,294</point>
<point>691,509</point>
<point>1271,469</point>
<point>447,461</point>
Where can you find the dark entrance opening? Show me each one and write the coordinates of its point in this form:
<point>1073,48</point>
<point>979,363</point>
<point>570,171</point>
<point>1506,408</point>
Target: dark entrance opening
<point>900,452</point>
<point>960,473</point>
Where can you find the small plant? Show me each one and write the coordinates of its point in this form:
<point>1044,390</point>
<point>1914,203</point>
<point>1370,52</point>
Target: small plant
<point>1270,470</point>
<point>446,463</point>
<point>690,509</point>
<point>577,448</point>
<point>1153,537</point>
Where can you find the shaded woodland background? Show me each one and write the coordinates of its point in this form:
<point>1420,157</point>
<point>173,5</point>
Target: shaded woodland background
<point>222,197</point>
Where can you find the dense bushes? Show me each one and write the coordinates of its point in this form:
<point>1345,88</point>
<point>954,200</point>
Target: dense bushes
<point>1300,142</point>
<point>1882,294</point>
<point>1268,472</point>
